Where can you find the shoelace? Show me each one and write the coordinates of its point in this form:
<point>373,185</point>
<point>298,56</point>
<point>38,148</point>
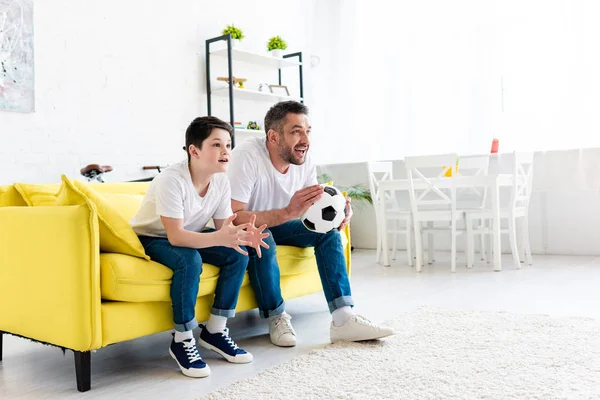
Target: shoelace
<point>191,351</point>
<point>362,320</point>
<point>283,325</point>
<point>228,339</point>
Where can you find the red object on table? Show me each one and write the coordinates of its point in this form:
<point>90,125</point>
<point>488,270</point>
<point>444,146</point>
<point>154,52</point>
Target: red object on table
<point>495,145</point>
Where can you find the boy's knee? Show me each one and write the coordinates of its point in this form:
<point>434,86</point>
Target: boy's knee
<point>190,259</point>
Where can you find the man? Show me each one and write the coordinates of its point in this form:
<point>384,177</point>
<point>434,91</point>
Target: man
<point>273,178</point>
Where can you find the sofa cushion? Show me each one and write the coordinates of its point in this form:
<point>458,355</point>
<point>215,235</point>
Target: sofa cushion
<point>119,187</point>
<point>116,235</point>
<point>10,197</point>
<point>38,195</point>
<point>126,278</point>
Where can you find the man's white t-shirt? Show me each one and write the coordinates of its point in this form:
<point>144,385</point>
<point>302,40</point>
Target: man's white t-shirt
<point>172,194</point>
<point>255,181</point>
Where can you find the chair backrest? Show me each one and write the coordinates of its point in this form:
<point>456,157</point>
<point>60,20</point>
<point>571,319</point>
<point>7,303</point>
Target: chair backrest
<point>431,182</point>
<point>522,179</point>
<point>477,165</point>
<point>380,171</point>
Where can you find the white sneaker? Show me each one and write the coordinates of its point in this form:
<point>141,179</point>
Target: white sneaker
<point>281,331</point>
<point>358,328</point>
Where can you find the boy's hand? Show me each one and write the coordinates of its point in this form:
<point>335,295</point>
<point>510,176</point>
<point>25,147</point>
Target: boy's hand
<point>349,213</point>
<point>303,199</point>
<point>256,236</point>
<point>234,236</point>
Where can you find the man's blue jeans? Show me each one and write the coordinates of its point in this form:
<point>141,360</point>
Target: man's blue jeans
<point>186,264</point>
<point>264,272</point>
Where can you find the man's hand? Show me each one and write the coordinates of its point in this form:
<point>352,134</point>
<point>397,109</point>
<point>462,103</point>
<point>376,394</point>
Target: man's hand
<point>256,236</point>
<point>349,213</point>
<point>234,236</point>
<point>303,199</point>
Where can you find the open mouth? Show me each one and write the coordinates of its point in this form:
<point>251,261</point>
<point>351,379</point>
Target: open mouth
<point>224,160</point>
<point>300,152</point>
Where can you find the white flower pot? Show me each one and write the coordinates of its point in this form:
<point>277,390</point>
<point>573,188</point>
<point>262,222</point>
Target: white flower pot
<point>235,42</point>
<point>276,53</point>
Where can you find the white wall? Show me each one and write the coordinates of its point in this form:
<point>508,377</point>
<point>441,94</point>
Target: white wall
<point>117,82</point>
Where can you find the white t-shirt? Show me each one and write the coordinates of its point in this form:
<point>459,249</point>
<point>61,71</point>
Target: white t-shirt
<point>255,181</point>
<point>172,194</point>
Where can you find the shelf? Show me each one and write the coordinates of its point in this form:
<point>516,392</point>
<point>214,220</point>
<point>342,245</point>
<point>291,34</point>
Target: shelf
<point>256,58</point>
<point>248,94</point>
<point>250,132</point>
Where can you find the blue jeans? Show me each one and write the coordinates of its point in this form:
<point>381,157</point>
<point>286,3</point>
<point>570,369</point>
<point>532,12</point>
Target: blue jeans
<point>186,264</point>
<point>264,272</point>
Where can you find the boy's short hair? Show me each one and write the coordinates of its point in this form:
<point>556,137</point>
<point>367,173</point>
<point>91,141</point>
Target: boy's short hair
<point>201,128</point>
<point>275,117</point>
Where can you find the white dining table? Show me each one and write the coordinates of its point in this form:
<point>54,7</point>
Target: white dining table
<point>492,181</point>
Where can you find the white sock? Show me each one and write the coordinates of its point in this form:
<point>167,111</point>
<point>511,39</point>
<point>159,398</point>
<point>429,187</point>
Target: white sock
<point>181,336</point>
<point>342,315</point>
<point>216,323</point>
<point>274,317</point>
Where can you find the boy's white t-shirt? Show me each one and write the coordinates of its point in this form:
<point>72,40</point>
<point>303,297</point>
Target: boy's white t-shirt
<point>255,181</point>
<point>172,194</point>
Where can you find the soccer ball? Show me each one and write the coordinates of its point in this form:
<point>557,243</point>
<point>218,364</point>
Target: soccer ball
<point>327,213</point>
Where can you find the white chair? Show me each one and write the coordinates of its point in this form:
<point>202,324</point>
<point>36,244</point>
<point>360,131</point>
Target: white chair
<point>477,165</point>
<point>517,209</point>
<point>402,218</point>
<point>430,202</point>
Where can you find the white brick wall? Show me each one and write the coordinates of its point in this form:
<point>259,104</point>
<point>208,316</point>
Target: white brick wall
<point>117,82</point>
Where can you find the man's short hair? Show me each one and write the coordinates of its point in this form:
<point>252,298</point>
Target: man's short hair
<point>201,128</point>
<point>275,118</point>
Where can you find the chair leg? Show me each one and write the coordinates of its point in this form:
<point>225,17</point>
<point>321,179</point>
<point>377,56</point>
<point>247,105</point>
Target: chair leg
<point>470,242</point>
<point>512,236</point>
<point>409,233</point>
<point>430,257</point>
<point>418,245</point>
<point>526,244</point>
<point>453,254</point>
<point>395,239</point>
<point>482,247</point>
<point>83,361</point>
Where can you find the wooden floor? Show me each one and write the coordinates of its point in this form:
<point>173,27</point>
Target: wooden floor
<point>142,368</point>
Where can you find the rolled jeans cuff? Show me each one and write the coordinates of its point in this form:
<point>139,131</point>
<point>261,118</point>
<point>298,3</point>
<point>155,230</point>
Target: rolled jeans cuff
<point>340,302</point>
<point>188,326</point>
<point>223,313</point>
<point>272,313</point>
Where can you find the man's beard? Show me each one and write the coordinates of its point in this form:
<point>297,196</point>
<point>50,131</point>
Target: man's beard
<point>287,155</point>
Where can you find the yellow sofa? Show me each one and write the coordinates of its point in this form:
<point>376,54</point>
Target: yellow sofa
<point>58,286</point>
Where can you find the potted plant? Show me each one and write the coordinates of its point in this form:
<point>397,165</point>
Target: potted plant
<point>275,45</point>
<point>358,193</point>
<point>236,34</point>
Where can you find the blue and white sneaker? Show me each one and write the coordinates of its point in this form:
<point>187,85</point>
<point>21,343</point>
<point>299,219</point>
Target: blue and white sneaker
<point>189,360</point>
<point>221,343</point>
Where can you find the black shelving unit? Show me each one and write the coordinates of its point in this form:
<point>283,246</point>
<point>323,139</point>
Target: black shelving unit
<point>227,38</point>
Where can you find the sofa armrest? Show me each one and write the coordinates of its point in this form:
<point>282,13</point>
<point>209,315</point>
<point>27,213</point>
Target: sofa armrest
<point>50,275</point>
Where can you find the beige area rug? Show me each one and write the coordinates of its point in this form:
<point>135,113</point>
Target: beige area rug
<point>441,354</point>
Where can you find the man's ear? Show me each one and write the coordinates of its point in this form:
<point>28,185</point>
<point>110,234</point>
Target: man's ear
<point>272,136</point>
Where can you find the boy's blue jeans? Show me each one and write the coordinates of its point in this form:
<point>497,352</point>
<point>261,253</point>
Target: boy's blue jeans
<point>264,272</point>
<point>186,264</point>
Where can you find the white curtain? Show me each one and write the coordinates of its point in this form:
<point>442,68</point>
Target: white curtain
<point>433,76</point>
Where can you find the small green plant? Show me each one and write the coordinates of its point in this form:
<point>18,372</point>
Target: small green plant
<point>357,193</point>
<point>236,33</point>
<point>276,43</point>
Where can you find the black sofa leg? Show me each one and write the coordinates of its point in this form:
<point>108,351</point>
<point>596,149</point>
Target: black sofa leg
<point>1,333</point>
<point>83,362</point>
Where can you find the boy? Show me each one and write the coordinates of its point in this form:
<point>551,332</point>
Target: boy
<point>179,203</point>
